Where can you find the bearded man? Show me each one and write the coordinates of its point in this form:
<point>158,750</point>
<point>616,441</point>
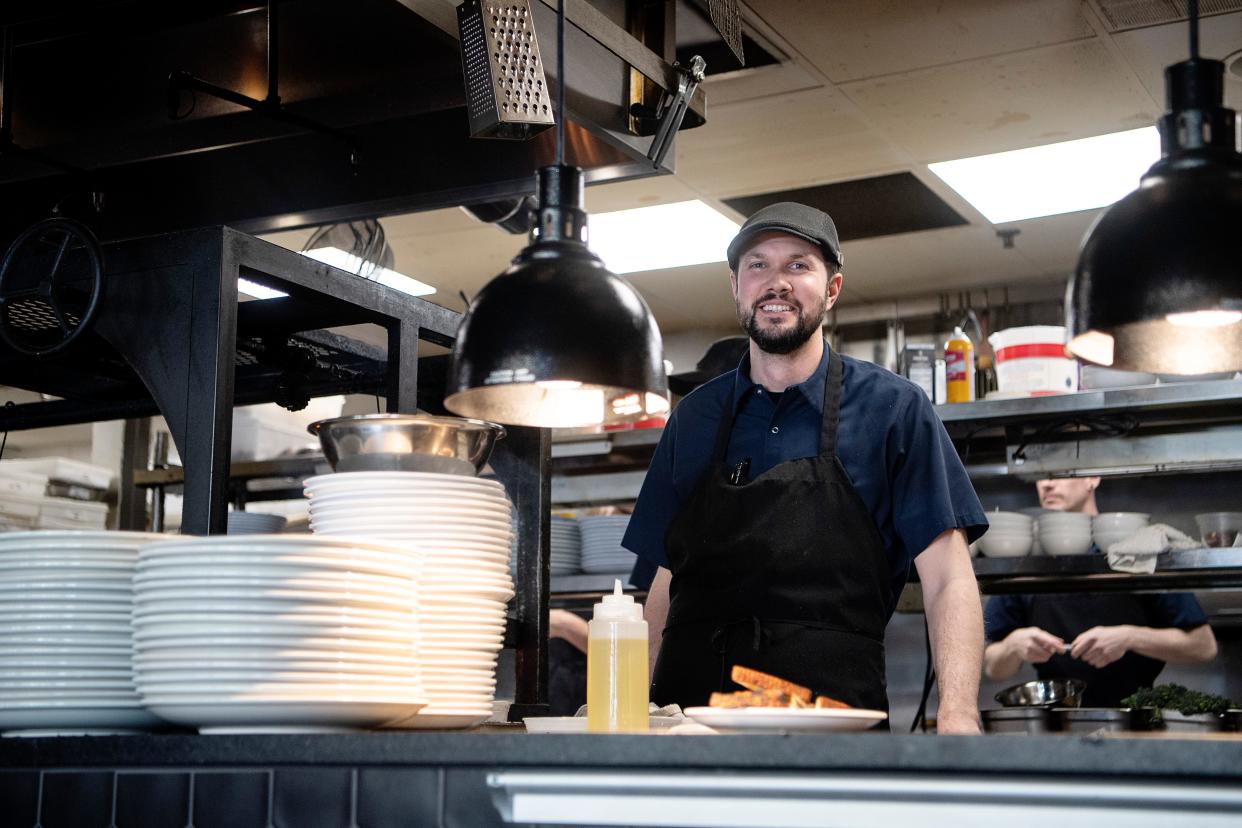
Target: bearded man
<point>788,499</point>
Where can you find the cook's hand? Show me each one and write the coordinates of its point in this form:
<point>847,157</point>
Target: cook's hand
<point>957,723</point>
<point>1034,645</point>
<point>1101,646</point>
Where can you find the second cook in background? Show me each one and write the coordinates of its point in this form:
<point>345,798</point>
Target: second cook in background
<point>1116,642</point>
<point>788,498</point>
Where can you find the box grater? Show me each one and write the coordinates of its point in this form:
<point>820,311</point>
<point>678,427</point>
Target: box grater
<point>727,18</point>
<point>505,90</point>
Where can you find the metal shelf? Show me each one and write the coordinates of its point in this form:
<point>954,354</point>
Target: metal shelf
<point>1175,571</point>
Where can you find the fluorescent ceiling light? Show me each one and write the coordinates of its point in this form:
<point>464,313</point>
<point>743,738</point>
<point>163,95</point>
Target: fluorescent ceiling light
<point>347,261</point>
<point>653,238</point>
<point>1055,178</point>
<point>258,291</point>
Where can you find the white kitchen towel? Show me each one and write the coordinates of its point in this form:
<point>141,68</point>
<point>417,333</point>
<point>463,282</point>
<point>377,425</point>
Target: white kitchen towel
<point>1137,553</point>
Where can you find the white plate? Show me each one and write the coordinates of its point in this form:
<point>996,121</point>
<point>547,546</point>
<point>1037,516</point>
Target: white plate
<point>53,674</point>
<point>52,662</point>
<point>150,678</point>
<point>74,716</point>
<point>406,496</point>
<point>386,565</point>
<point>152,632</point>
<point>415,509</point>
<point>780,719</point>
<point>43,695</point>
<point>273,599</point>
<point>414,532</point>
<point>290,577</point>
<point>174,668</point>
<point>10,642</point>
<point>388,481</point>
<point>430,625</point>
<point>7,618</point>
<point>327,644</point>
<point>147,611</point>
<point>55,599</point>
<point>79,537</point>
<point>16,580</point>
<point>189,656</point>
<point>278,714</point>
<point>503,593</point>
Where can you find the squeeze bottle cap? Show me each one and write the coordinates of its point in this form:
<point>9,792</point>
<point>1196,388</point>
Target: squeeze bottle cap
<point>617,606</point>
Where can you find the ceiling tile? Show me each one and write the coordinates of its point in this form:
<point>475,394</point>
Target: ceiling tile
<point>780,142</point>
<point>993,104</point>
<point>869,38</point>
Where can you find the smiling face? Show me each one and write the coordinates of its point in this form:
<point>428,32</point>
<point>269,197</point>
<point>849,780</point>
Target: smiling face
<point>782,289</point>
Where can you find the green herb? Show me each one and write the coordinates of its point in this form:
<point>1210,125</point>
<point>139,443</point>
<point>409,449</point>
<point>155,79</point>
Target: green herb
<point>1175,697</point>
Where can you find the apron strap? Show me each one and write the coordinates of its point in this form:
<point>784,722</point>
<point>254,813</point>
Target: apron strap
<point>832,406</point>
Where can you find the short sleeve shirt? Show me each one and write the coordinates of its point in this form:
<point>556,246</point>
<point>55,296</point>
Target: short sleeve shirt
<point>1006,613</point>
<point>893,447</point>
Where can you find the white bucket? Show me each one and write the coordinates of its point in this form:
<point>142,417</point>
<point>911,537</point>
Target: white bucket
<point>1031,360</point>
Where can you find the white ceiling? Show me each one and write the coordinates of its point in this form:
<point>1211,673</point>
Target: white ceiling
<point>872,87</point>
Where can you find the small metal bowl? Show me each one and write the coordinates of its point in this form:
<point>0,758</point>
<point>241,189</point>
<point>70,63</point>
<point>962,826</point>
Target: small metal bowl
<point>1043,693</point>
<point>407,442</point>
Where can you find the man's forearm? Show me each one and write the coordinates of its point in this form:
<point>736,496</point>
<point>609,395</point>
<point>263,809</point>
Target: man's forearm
<point>1174,645</point>
<point>655,613</point>
<point>955,625</point>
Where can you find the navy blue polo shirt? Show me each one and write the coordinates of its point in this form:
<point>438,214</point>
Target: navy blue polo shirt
<point>1005,613</point>
<point>892,445</point>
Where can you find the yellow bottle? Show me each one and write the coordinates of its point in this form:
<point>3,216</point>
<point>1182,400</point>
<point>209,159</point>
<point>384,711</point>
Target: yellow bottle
<point>617,677</point>
<point>959,368</point>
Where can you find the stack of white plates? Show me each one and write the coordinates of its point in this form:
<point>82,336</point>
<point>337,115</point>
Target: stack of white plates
<point>601,544</point>
<point>461,527</point>
<point>566,546</point>
<point>277,633</point>
<point>65,604</point>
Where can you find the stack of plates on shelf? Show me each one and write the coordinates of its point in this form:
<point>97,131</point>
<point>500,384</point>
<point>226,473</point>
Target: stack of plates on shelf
<point>65,637</point>
<point>255,523</point>
<point>462,528</point>
<point>566,546</point>
<point>277,633</point>
<point>601,544</point>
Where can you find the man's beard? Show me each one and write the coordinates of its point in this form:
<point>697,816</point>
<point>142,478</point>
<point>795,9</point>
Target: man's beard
<point>784,340</point>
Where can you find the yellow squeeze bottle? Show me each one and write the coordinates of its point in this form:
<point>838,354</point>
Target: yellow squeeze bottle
<point>617,677</point>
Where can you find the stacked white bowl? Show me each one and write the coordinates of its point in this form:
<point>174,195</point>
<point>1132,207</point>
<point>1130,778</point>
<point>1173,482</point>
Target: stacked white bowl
<point>1108,528</point>
<point>65,636</point>
<point>277,633</point>
<point>461,527</point>
<point>255,523</point>
<point>1009,535</point>
<point>601,544</point>
<point>1064,533</point>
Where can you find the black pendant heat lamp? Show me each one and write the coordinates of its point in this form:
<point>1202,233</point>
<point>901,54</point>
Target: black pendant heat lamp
<point>1158,287</point>
<point>557,341</point>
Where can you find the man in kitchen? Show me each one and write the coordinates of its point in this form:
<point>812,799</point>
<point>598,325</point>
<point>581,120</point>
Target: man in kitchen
<point>1116,642</point>
<point>788,498</point>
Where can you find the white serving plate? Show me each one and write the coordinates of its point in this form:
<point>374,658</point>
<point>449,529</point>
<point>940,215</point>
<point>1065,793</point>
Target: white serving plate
<point>277,714</point>
<point>125,694</point>
<point>174,668</point>
<point>52,662</point>
<point>10,641</point>
<point>18,581</point>
<point>74,716</point>
<point>785,720</point>
<point>328,644</point>
<point>391,566</point>
<point>150,678</point>
<point>9,617</point>
<point>416,510</point>
<point>55,673</point>
<point>389,481</point>
<point>292,577</point>
<point>341,610</point>
<point>205,654</point>
<point>98,601</point>
<point>415,530</point>
<point>215,598</point>
<point>416,497</point>
<point>262,629</point>
<point>396,623</point>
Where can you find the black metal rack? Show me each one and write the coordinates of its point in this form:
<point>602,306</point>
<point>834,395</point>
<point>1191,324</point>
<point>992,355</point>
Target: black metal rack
<point>171,338</point>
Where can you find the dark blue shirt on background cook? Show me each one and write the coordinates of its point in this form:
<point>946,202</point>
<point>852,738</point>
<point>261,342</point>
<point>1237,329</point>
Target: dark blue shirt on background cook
<point>892,445</point>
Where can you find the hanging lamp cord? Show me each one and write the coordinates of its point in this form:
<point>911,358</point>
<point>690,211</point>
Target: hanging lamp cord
<point>1192,9</point>
<point>560,83</point>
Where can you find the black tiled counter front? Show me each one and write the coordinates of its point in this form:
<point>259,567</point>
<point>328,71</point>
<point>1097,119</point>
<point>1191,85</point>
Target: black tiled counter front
<point>376,780</point>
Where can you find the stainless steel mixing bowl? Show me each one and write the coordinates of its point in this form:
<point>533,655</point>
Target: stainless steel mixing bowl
<point>407,442</point>
<point>1043,693</point>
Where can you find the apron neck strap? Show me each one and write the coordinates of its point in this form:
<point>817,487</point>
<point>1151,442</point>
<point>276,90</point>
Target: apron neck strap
<point>832,405</point>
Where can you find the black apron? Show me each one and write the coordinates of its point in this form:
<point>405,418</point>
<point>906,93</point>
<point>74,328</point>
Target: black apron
<point>1066,616</point>
<point>786,574</point>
